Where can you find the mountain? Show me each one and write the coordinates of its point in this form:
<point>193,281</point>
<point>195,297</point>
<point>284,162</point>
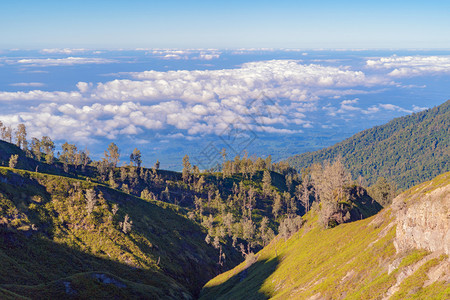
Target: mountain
<point>400,253</point>
<point>407,150</point>
<point>53,244</point>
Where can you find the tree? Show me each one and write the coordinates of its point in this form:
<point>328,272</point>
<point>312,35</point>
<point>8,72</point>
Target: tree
<point>2,130</point>
<point>126,224</point>
<point>186,168</point>
<point>13,160</point>
<point>248,229</point>
<point>303,192</point>
<point>112,182</point>
<point>123,174</point>
<point>102,168</point>
<point>112,154</point>
<point>21,136</point>
<point>115,209</point>
<point>48,147</point>
<point>84,159</point>
<point>91,199</point>
<point>276,205</point>
<point>383,191</point>
<point>157,165</point>
<point>67,157</point>
<point>36,148</point>
<point>267,182</point>
<point>135,158</point>
<point>7,134</point>
<point>329,180</point>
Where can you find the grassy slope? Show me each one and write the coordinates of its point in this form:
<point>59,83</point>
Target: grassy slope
<point>350,261</point>
<point>70,245</point>
<point>408,150</point>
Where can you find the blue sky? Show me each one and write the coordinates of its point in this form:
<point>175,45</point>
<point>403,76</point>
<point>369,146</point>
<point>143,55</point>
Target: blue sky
<point>225,24</point>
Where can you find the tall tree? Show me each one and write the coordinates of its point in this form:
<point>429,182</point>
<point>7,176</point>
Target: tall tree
<point>36,148</point>
<point>49,148</point>
<point>112,154</point>
<point>85,159</point>
<point>303,191</point>
<point>135,158</point>
<point>2,130</point>
<point>329,181</point>
<point>267,182</point>
<point>277,205</point>
<point>186,168</point>
<point>7,134</point>
<point>21,136</point>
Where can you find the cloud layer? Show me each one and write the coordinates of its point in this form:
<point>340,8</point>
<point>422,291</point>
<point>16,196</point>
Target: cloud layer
<point>408,66</point>
<point>55,62</point>
<point>266,96</point>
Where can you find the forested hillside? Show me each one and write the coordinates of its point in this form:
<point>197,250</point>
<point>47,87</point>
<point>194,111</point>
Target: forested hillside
<point>146,232</point>
<point>59,234</point>
<point>407,150</point>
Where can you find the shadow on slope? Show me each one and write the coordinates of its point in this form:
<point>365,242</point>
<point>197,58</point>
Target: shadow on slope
<point>244,285</point>
<point>161,240</point>
<point>41,269</point>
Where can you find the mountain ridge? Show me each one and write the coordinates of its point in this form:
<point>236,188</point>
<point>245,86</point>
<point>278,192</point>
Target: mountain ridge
<point>407,150</point>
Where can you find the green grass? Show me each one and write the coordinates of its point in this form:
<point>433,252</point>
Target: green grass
<point>164,252</point>
<point>349,261</point>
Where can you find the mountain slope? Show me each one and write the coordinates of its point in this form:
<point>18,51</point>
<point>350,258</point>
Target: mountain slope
<point>54,245</point>
<point>400,253</point>
<point>407,150</point>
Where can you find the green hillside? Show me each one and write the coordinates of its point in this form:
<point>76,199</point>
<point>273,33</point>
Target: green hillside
<point>357,260</point>
<point>53,245</point>
<point>407,150</point>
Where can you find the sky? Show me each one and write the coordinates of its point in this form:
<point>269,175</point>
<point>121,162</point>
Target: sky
<point>192,77</point>
<point>224,24</point>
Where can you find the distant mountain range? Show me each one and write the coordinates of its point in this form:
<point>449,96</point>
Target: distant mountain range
<point>407,150</point>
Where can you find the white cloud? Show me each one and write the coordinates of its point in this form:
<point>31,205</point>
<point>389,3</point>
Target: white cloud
<point>40,96</point>
<point>68,61</point>
<point>27,84</point>
<point>395,108</point>
<point>276,79</point>
<point>195,102</point>
<point>67,51</point>
<point>408,66</point>
<point>348,108</point>
<point>201,54</point>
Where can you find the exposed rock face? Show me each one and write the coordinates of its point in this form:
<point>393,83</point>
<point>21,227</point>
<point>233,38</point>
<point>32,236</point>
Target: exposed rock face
<point>423,220</point>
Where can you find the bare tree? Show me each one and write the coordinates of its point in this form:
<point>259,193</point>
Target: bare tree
<point>329,180</point>
<point>13,160</point>
<point>126,224</point>
<point>303,192</point>
<point>91,200</point>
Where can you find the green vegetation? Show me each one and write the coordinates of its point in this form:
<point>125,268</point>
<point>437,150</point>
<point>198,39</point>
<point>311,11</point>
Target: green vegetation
<point>50,237</point>
<point>356,260</point>
<point>76,228</point>
<point>407,150</point>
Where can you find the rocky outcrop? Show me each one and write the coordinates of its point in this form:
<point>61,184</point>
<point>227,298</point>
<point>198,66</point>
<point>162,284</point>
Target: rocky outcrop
<point>423,219</point>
